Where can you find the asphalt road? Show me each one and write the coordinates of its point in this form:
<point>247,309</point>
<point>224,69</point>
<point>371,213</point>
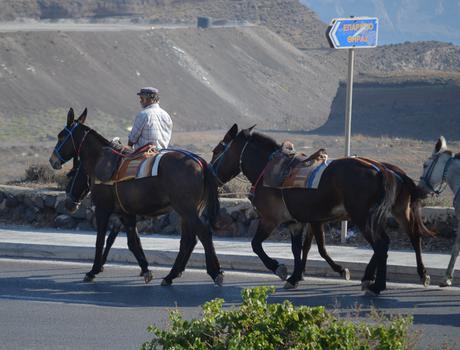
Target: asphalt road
<point>44,304</point>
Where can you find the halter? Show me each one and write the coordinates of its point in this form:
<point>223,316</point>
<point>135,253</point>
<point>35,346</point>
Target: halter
<point>214,166</point>
<point>59,146</point>
<point>429,173</point>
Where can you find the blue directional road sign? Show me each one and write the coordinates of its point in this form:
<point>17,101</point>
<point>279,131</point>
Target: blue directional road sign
<point>354,32</point>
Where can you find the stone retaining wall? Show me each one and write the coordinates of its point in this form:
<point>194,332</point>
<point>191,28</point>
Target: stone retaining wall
<point>38,207</point>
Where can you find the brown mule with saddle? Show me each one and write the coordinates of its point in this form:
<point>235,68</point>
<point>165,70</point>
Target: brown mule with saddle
<point>358,189</point>
<point>141,183</point>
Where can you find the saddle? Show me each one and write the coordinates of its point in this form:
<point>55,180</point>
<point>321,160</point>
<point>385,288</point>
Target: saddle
<point>292,169</point>
<point>115,161</point>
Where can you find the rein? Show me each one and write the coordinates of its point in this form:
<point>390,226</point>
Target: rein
<point>83,194</point>
<point>442,186</point>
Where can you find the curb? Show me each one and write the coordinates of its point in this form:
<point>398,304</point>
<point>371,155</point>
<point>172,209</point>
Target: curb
<point>229,261</point>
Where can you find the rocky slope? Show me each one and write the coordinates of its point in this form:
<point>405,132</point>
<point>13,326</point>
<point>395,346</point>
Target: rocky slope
<point>207,78</point>
<point>290,19</point>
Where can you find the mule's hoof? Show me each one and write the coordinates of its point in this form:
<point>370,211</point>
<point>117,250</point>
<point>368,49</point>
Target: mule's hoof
<point>219,280</point>
<point>281,272</point>
<point>365,284</point>
<point>179,275</point>
<point>289,285</point>
<point>446,283</point>
<point>371,291</point>
<point>426,280</point>
<point>102,269</point>
<point>89,277</point>
<point>165,282</point>
<point>346,274</point>
<point>148,276</point>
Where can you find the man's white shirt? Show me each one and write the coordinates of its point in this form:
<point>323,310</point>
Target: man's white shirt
<point>151,125</point>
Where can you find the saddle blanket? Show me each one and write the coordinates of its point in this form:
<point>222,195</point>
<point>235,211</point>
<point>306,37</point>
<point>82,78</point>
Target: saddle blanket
<point>305,176</point>
<point>137,168</point>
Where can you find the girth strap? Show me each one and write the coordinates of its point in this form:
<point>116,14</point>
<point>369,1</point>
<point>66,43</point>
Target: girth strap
<point>116,184</point>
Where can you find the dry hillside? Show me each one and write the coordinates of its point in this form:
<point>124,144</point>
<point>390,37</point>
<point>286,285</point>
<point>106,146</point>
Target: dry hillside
<point>275,71</point>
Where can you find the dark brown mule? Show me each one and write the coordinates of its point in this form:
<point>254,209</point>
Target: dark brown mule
<point>76,190</point>
<point>358,189</point>
<point>184,184</point>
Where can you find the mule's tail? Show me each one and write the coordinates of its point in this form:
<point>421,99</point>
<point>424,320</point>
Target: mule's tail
<point>382,210</point>
<point>212,206</point>
<point>416,196</point>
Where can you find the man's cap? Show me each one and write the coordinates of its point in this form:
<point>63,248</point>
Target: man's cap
<point>147,91</point>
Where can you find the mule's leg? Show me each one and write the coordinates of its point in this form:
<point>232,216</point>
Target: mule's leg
<point>212,263</point>
<point>187,244</point>
<point>381,256</point>
<point>402,216</point>
<point>135,246</point>
<point>447,282</point>
<point>192,224</point>
<point>263,231</point>
<point>102,219</point>
<point>318,231</point>
<point>306,246</point>
<point>108,244</point>
<point>296,247</point>
<point>369,272</point>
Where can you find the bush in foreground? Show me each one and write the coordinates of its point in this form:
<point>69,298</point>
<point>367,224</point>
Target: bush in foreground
<point>259,325</point>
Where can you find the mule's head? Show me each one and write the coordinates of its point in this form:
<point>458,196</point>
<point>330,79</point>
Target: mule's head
<point>226,156</point>
<point>77,188</point>
<point>69,140</point>
<point>435,168</point>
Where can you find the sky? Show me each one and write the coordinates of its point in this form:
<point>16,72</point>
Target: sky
<point>399,20</point>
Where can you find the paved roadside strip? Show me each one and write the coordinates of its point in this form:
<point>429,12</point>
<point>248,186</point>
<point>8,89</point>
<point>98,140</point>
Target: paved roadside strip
<point>234,254</point>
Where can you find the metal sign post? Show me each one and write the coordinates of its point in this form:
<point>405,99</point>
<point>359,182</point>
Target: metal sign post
<point>351,33</point>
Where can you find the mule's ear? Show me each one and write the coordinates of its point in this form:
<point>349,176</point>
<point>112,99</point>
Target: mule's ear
<point>252,127</point>
<point>82,118</point>
<point>247,132</point>
<point>441,145</point>
<point>231,133</point>
<point>70,117</point>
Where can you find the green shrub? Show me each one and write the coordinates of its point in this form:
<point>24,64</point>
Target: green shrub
<point>259,325</point>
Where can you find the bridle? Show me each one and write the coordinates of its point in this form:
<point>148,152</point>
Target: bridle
<point>60,145</point>
<point>426,178</point>
<point>218,161</point>
<point>215,165</point>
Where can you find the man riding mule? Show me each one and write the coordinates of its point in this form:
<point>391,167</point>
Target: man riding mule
<point>152,125</point>
<point>177,180</point>
<point>359,189</point>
